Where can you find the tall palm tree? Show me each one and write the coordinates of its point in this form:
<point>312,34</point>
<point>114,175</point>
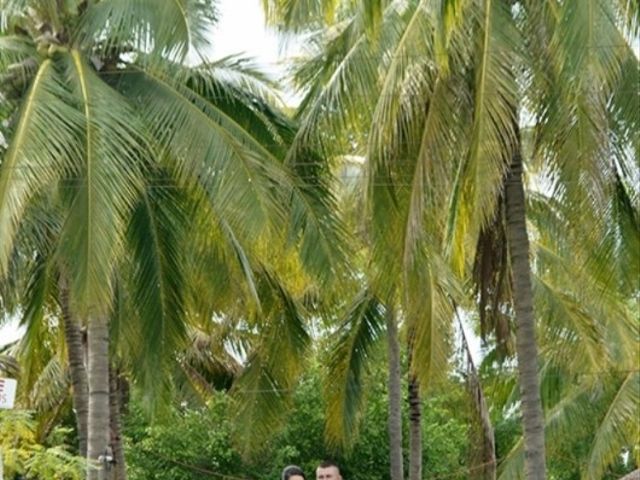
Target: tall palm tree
<point>395,395</point>
<point>586,338</point>
<point>453,112</point>
<point>415,415</point>
<point>102,106</point>
<point>362,328</point>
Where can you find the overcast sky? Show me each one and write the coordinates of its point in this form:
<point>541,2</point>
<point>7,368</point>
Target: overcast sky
<point>242,29</point>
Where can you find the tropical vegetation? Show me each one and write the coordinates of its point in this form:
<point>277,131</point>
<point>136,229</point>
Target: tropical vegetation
<point>212,283</point>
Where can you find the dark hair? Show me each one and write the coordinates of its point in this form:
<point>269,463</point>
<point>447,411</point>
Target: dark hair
<point>292,470</point>
<point>328,463</point>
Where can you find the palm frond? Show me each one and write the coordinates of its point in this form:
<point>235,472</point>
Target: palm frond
<point>296,16</point>
<point>342,71</point>
<point>18,65</point>
<point>563,418</point>
<point>8,365</point>
<point>169,28</point>
<point>574,127</point>
<point>360,331</point>
<point>206,363</point>
<point>51,388</point>
<point>493,131</point>
<point>492,282</point>
<point>293,16</point>
<point>314,227</point>
<point>235,169</point>
<point>584,27</point>
<point>440,135</point>
<point>42,143</point>
<point>429,314</point>
<point>35,347</point>
<point>241,75</point>
<point>618,429</point>
<point>158,221</point>
<point>264,389</point>
<point>306,190</point>
<point>574,336</point>
<point>625,104</point>
<point>406,76</point>
<point>261,400</point>
<point>10,10</point>
<point>628,15</point>
<point>102,185</point>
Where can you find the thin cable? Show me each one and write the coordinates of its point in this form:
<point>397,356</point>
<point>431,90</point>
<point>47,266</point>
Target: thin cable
<point>310,56</point>
<point>352,95</point>
<point>283,170</point>
<point>194,467</point>
<point>513,371</point>
<point>161,187</point>
<point>206,471</point>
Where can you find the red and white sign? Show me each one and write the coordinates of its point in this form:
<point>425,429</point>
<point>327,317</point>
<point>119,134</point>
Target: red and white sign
<point>7,392</point>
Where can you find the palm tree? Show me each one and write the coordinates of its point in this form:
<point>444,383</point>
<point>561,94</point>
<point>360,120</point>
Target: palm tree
<point>415,415</point>
<point>102,108</point>
<point>361,329</point>
<point>77,365</point>
<point>485,461</point>
<point>632,476</point>
<point>453,111</point>
<point>395,395</point>
<point>585,332</point>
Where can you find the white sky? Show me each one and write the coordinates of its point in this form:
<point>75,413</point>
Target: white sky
<point>241,29</point>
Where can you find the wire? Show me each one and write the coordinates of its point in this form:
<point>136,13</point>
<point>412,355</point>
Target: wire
<point>210,64</point>
<point>195,468</point>
<point>282,170</point>
<point>231,477</point>
<point>159,187</point>
<point>296,182</point>
<point>246,101</point>
<point>469,469</point>
<point>451,474</point>
<point>508,371</point>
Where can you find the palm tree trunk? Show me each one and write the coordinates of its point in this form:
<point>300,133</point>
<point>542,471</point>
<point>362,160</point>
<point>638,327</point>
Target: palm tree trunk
<point>395,397</point>
<point>487,448</point>
<point>115,400</point>
<point>415,419</point>
<point>77,367</point>
<point>98,438</point>
<point>415,429</point>
<point>635,475</point>
<point>533,420</point>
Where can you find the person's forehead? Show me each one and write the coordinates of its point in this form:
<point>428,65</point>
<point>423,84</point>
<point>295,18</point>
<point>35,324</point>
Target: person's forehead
<point>331,469</point>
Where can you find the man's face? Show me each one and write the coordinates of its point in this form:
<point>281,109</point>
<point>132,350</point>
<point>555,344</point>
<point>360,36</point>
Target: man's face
<point>329,473</point>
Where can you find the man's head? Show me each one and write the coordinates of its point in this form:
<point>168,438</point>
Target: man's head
<point>328,470</point>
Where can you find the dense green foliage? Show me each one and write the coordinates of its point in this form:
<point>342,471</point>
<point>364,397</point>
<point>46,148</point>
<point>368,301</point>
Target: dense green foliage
<point>161,219</point>
<point>192,441</point>
<point>25,457</point>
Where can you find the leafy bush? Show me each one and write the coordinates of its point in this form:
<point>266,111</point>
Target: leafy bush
<point>191,442</point>
<point>26,458</point>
